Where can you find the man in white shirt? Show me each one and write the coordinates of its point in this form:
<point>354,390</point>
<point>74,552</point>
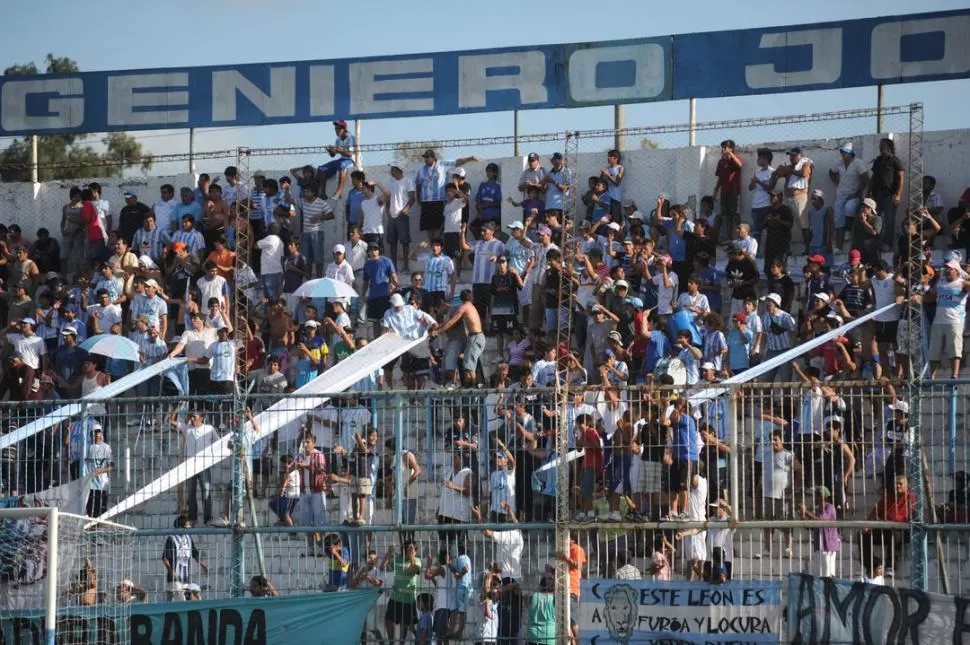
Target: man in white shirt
<point>406,320</point>
<point>195,343</point>
<point>104,315</point>
<point>196,437</point>
<point>372,212</point>
<point>885,290</point>
<point>271,263</point>
<point>164,209</point>
<point>401,198</point>
<point>29,346</point>
<point>99,463</point>
<point>851,179</point>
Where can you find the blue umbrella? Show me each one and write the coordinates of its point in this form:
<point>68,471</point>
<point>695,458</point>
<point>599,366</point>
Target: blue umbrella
<point>325,288</point>
<point>117,347</point>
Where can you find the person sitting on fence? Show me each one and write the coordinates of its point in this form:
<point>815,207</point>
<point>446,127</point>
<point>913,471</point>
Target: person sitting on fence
<point>177,557</point>
<point>895,506</point>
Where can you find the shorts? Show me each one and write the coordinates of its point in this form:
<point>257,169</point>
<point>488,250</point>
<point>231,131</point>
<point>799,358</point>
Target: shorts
<point>432,215</point>
<point>650,479</point>
<point>287,506</point>
<point>313,509</point>
<point>363,486</point>
<point>680,472</point>
<point>452,246</point>
<point>779,509</point>
<point>799,208</point>
<point>398,230</point>
<point>313,248</point>
<point>587,482</point>
<point>845,211</point>
<point>902,339</point>
<point>331,168</point>
<point>441,622</point>
<point>177,587</point>
<point>525,293</point>
<point>573,610</point>
<point>474,347</point>
<point>696,546</point>
<point>401,613</point>
<point>620,474</point>
<point>376,307</point>
<point>504,324</point>
<point>946,341</point>
<point>461,599</point>
<point>221,387</point>
<point>452,351</point>
<point>885,332</point>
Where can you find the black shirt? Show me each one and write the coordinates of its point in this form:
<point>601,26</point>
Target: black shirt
<point>784,287</point>
<point>743,277</point>
<point>778,224</point>
<point>885,176</point>
<point>132,218</point>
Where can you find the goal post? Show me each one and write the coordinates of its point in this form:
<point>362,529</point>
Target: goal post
<point>62,576</point>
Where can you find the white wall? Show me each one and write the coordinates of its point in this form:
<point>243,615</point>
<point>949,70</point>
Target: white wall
<point>679,172</point>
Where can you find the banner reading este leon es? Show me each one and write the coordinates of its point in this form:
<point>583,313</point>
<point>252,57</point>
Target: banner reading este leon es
<point>665,613</point>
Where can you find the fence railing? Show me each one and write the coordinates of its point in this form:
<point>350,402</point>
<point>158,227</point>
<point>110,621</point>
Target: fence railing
<point>765,453</point>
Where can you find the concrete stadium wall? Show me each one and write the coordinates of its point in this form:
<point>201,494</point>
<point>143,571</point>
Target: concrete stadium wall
<point>679,172</point>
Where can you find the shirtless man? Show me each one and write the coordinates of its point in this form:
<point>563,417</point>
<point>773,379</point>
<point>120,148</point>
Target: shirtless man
<point>473,328</point>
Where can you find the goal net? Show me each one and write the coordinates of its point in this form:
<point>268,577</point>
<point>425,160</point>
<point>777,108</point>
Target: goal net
<point>64,578</point>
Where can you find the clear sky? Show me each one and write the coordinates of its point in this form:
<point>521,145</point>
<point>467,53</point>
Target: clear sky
<point>207,32</point>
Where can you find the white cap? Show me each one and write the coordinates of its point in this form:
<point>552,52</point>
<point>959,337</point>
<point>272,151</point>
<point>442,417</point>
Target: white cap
<point>458,172</point>
<point>774,297</point>
<point>517,224</point>
<point>151,283</point>
<point>147,262</point>
<point>847,148</point>
<point>397,300</point>
<point>836,317</point>
<point>620,283</point>
<point>818,192</point>
<point>901,406</point>
<point>311,323</point>
<point>635,215</point>
<point>824,297</point>
<point>339,248</point>
<point>707,365</point>
<point>614,226</point>
<point>871,203</point>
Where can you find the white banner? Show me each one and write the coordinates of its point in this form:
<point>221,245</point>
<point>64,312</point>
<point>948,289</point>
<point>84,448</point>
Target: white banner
<point>109,391</point>
<point>648,611</point>
<point>336,379</point>
<point>787,357</point>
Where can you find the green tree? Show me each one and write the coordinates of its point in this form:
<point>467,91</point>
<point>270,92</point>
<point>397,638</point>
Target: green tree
<point>64,156</point>
<point>409,153</point>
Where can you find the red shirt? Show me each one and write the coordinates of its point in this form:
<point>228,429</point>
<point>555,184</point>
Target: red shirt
<point>92,225</point>
<point>895,508</point>
<point>728,172</point>
<point>593,458</point>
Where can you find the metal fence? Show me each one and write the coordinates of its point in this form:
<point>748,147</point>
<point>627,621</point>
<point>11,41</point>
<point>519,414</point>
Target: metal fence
<point>443,432</point>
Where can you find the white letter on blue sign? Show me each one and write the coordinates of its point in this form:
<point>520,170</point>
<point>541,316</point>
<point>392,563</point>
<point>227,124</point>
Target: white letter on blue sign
<point>64,112</point>
<point>826,60</point>
<point>280,102</point>
<point>370,93</point>
<point>528,80</point>
<point>321,90</point>
<point>123,99</point>
<point>886,59</point>
<point>649,81</point>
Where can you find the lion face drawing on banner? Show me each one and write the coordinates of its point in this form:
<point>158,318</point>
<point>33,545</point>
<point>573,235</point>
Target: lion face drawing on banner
<point>621,612</point>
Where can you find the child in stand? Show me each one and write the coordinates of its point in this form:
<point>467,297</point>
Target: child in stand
<point>289,491</point>
<point>533,210</point>
<point>825,541</point>
<point>424,632</point>
<point>444,581</point>
<point>659,563</point>
<point>462,571</point>
<point>487,632</point>
<point>877,573</point>
<point>339,564</point>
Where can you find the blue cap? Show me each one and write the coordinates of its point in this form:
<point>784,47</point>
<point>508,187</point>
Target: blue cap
<point>635,302</point>
<point>608,354</point>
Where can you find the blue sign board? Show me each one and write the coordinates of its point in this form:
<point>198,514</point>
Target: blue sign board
<point>855,53</point>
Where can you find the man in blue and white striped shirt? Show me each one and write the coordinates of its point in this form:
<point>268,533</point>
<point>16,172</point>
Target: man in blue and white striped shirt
<point>150,239</point>
<point>188,235</point>
<point>439,270</point>
<point>778,325</point>
<point>430,182</point>
<point>486,250</point>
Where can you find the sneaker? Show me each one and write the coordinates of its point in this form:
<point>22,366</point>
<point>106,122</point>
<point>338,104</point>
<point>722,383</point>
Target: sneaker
<point>683,516</point>
<point>757,556</point>
<point>614,516</point>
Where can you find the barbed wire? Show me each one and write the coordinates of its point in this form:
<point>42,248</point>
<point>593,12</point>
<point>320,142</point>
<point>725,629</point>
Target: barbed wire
<point>643,131</point>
